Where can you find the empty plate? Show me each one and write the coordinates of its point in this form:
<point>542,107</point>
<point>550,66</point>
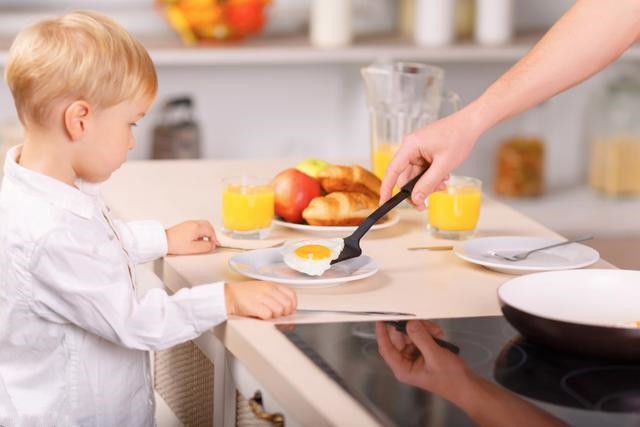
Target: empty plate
<point>571,256</point>
<point>267,264</point>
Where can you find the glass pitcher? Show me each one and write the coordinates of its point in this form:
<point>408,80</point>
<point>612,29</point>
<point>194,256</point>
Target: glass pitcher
<point>402,97</point>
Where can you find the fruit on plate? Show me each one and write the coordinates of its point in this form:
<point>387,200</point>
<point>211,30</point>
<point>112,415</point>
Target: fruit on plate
<point>294,190</point>
<point>312,167</point>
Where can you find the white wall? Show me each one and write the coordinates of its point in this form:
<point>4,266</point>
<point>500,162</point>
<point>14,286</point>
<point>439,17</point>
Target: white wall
<point>319,110</point>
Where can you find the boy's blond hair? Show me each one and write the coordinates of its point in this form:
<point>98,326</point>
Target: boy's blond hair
<point>81,55</point>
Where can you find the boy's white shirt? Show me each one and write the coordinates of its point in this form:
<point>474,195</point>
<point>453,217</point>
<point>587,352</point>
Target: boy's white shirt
<point>73,334</point>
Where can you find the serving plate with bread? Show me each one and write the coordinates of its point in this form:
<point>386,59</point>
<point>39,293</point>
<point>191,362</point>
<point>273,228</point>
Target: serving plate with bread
<point>392,219</point>
<point>351,194</point>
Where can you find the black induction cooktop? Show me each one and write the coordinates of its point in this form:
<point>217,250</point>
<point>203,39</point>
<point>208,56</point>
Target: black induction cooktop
<point>579,391</point>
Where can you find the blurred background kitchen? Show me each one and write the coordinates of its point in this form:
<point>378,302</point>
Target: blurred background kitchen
<point>267,79</point>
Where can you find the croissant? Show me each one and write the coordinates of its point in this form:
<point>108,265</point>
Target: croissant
<point>350,178</point>
<point>340,208</point>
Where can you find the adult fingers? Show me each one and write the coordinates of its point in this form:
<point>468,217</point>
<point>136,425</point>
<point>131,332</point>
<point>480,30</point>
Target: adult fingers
<point>388,351</point>
<point>398,164</point>
<point>422,338</point>
<point>425,185</point>
<point>398,339</point>
<point>433,329</point>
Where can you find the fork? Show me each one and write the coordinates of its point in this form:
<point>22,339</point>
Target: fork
<point>351,247</point>
<point>523,255</point>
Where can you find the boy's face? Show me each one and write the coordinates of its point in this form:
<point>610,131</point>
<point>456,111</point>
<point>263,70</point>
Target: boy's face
<point>108,138</point>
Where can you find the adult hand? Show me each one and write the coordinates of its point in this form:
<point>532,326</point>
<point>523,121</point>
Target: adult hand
<point>443,144</point>
<point>191,237</point>
<point>264,300</point>
<point>417,360</point>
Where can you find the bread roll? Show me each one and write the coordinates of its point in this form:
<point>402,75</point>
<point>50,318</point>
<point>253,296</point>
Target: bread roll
<point>340,208</point>
<point>350,178</point>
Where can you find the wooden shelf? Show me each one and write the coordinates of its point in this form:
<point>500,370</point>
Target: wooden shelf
<point>297,50</point>
<point>169,52</point>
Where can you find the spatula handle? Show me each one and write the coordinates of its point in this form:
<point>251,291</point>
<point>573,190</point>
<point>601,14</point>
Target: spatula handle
<point>408,187</point>
<point>404,192</point>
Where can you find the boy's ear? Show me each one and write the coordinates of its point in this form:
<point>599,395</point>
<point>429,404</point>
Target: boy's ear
<point>76,116</point>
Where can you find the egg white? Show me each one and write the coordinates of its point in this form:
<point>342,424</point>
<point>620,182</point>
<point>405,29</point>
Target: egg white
<point>311,267</point>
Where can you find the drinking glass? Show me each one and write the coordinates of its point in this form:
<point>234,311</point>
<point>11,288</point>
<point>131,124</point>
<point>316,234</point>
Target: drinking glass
<point>247,207</point>
<point>453,212</point>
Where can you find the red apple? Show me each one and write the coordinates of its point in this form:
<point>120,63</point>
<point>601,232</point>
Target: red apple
<point>293,192</point>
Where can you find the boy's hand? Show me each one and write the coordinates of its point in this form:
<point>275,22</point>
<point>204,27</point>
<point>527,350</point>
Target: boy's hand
<point>264,300</point>
<point>191,237</point>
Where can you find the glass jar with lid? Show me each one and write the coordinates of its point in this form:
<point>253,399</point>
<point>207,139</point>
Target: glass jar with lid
<point>520,157</point>
<point>613,136</point>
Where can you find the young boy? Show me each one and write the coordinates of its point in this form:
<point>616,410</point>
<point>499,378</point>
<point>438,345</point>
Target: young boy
<point>73,335</point>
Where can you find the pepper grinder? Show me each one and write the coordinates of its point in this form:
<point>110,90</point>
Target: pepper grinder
<point>177,136</point>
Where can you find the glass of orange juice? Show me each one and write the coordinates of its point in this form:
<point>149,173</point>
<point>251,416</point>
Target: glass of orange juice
<point>453,212</point>
<point>247,207</point>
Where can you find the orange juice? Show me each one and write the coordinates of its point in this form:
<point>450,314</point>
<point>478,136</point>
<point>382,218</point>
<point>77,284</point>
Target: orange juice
<point>247,207</point>
<point>381,156</point>
<point>453,213</point>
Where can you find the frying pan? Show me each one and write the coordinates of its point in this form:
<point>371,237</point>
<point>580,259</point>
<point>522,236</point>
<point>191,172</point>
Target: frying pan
<point>586,312</point>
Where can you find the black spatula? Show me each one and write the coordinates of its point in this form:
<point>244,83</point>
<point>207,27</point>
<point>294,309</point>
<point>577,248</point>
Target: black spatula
<point>352,243</point>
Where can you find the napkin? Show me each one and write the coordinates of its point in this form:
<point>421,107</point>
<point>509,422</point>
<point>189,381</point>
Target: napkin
<point>247,244</point>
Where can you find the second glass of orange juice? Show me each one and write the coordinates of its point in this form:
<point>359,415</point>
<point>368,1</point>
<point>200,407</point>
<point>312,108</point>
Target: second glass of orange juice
<point>247,207</point>
<point>453,212</point>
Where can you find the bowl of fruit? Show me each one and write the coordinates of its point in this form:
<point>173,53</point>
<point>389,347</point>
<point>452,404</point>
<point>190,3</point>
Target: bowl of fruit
<point>214,21</point>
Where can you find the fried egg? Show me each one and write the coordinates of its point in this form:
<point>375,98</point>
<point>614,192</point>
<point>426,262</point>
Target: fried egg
<point>312,257</point>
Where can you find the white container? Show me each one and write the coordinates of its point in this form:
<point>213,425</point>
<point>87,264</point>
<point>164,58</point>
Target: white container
<point>494,21</point>
<point>330,23</point>
<point>434,22</point>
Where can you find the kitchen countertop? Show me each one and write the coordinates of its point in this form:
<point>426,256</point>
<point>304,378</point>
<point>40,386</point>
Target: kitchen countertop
<point>429,284</point>
<point>581,210</point>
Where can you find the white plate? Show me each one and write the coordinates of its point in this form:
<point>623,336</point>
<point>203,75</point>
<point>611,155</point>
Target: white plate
<point>393,218</point>
<point>588,297</point>
<point>566,257</point>
<point>267,264</point>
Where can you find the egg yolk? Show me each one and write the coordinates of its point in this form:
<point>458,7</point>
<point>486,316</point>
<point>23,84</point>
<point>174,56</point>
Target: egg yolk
<point>313,252</point>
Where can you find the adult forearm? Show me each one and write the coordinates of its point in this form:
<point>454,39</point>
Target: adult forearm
<point>591,35</point>
<point>490,405</point>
